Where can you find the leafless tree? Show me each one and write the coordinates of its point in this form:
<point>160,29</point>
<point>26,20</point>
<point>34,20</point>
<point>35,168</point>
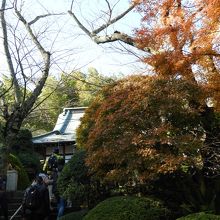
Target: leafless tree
<point>28,58</point>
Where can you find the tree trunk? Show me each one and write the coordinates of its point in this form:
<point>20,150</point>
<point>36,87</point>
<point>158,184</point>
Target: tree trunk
<point>11,130</point>
<point>3,164</point>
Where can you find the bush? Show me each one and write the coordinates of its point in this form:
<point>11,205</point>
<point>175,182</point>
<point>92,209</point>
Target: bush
<point>132,208</point>
<point>74,215</point>
<point>200,216</point>
<point>23,141</point>
<point>78,186</point>
<point>30,162</point>
<point>73,181</point>
<point>22,147</point>
<point>23,181</point>
<point>187,192</point>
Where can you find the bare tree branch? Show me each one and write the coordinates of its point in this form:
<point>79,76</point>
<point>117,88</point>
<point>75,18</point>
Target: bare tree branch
<point>81,26</point>
<point>104,26</point>
<point>71,7</point>
<point>22,70</point>
<point>5,9</point>
<point>34,38</point>
<point>43,16</point>
<point>28,104</point>
<point>116,36</point>
<point>110,10</point>
<point>17,91</point>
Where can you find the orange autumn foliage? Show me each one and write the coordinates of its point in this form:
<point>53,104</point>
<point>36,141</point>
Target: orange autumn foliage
<point>140,127</point>
<point>144,126</point>
<point>183,38</point>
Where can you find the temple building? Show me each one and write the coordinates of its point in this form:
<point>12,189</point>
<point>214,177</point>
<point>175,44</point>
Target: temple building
<point>63,135</point>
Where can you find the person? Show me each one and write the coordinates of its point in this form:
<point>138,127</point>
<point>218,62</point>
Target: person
<point>53,166</point>
<point>42,210</point>
<point>54,163</point>
<point>61,204</point>
<point>3,199</point>
<point>48,181</point>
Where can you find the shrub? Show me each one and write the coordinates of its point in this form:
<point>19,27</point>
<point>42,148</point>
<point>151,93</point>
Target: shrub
<point>73,181</point>
<point>200,216</point>
<point>74,215</point>
<point>23,141</point>
<point>23,181</point>
<point>22,147</point>
<point>30,162</point>
<point>132,208</point>
<point>187,192</point>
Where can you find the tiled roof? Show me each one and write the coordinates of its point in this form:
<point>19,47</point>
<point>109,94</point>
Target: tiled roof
<point>65,128</point>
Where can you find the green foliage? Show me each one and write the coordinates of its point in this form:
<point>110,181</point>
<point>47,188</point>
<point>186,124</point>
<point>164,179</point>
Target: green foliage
<point>23,181</point>
<point>89,84</point>
<point>74,180</point>
<point>74,215</point>
<point>133,208</point>
<point>77,185</point>
<point>55,96</point>
<point>30,159</point>
<point>200,216</point>
<point>73,89</point>
<point>184,193</point>
<point>23,149</point>
<point>200,194</point>
<point>30,162</point>
<point>22,141</point>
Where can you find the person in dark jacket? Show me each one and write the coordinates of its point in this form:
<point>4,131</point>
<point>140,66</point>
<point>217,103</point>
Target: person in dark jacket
<point>3,199</point>
<point>52,167</point>
<point>54,163</point>
<point>43,210</point>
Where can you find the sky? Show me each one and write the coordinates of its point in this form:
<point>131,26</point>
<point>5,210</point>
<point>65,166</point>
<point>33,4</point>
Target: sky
<point>72,49</point>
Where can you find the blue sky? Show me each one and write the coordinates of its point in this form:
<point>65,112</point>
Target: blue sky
<point>76,50</point>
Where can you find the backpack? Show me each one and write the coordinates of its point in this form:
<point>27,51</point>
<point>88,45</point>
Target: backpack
<point>52,162</point>
<point>32,199</point>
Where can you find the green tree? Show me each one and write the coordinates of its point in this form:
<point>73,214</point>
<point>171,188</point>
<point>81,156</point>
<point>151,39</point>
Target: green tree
<point>73,89</point>
<point>88,84</point>
<point>56,95</point>
<point>74,181</point>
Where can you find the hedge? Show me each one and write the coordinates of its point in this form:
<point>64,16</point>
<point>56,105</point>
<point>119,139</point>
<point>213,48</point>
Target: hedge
<point>128,207</point>
<point>200,216</point>
<point>74,215</point>
<point>23,180</point>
